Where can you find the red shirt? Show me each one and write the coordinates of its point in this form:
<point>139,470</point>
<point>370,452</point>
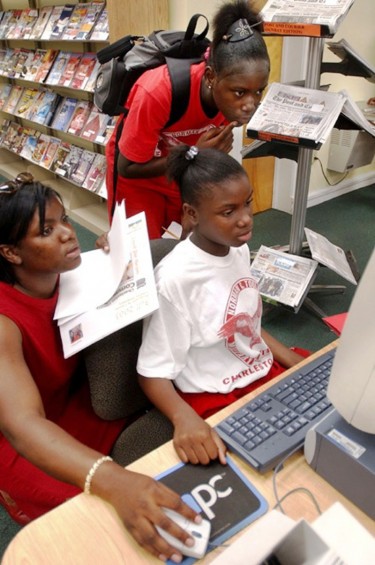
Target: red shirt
<point>144,135</point>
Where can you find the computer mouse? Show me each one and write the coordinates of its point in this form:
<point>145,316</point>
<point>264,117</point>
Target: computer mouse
<point>200,532</point>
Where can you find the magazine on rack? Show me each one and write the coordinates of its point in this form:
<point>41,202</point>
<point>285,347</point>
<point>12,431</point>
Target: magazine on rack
<point>108,291</point>
<point>351,62</point>
<point>330,255</point>
<point>304,116</point>
<point>282,277</point>
<point>304,17</point>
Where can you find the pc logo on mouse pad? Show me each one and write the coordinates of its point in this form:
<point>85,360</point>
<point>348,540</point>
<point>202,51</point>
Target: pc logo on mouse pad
<point>221,493</point>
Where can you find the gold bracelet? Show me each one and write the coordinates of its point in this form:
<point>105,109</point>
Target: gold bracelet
<point>91,473</point>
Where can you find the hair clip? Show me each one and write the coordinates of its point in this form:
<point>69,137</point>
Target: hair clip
<point>191,153</point>
<point>13,185</point>
<point>239,31</point>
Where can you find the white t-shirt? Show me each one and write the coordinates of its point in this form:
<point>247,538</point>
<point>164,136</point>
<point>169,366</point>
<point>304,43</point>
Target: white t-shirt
<point>205,336</point>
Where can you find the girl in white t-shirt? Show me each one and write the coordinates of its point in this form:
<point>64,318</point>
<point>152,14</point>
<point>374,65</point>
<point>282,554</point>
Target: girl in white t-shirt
<point>204,347</point>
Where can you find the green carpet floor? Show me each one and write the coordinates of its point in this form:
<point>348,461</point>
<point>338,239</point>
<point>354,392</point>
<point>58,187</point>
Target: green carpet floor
<point>347,221</point>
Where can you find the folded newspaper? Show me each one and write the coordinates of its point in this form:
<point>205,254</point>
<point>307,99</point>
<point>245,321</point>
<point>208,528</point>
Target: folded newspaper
<point>283,277</point>
<point>304,17</point>
<point>108,291</point>
<point>303,116</point>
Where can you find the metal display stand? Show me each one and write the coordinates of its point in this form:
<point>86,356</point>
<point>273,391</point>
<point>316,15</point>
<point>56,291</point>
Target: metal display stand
<point>303,156</point>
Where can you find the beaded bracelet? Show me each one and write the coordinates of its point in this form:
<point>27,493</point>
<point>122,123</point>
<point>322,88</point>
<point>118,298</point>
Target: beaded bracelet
<point>92,472</point>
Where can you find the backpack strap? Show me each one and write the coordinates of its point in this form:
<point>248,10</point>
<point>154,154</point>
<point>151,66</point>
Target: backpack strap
<point>115,170</point>
<point>179,72</point>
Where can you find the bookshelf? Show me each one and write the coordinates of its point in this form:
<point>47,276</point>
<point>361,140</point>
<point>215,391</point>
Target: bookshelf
<point>87,208</point>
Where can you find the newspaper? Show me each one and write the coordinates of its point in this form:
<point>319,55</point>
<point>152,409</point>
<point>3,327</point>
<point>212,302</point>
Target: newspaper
<point>85,312</point>
<point>326,13</point>
<point>283,277</point>
<point>358,66</point>
<point>329,254</point>
<point>303,116</point>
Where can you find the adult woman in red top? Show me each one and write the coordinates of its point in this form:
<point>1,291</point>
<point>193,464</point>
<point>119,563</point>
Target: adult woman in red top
<point>52,445</point>
<point>225,90</point>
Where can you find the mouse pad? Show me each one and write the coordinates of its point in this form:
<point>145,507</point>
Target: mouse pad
<point>221,493</point>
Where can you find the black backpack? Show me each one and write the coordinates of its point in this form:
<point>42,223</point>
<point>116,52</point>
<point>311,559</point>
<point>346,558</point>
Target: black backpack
<point>123,62</point>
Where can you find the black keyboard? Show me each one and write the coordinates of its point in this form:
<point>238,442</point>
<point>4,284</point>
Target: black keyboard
<point>276,421</point>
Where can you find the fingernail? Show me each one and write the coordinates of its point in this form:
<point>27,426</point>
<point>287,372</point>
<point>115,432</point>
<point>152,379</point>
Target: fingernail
<point>190,542</point>
<point>176,558</point>
<point>198,519</point>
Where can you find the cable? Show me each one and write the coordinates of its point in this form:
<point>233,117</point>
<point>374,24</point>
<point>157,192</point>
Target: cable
<point>292,491</point>
<point>326,178</point>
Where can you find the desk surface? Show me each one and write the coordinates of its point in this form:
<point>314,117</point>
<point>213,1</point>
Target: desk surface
<point>87,530</point>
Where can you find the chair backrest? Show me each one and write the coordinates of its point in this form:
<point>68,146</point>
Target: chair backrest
<point>111,362</point>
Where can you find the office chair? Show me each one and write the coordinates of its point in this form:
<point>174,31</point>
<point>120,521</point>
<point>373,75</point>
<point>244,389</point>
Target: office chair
<point>115,392</point>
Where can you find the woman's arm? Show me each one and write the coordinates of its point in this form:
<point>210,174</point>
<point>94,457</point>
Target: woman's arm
<point>280,352</point>
<point>194,440</point>
<point>137,498</point>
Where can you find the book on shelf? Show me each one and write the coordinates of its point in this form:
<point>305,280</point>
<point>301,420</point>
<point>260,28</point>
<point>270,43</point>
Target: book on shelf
<point>303,116</point>
<point>96,174</point>
<point>19,140</point>
<point>70,69</point>
<point>25,103</point>
<point>25,23</point>
<point>282,277</point>
<point>4,126</point>
<point>79,117</point>
<point>303,17</point>
<point>31,141</point>
<point>41,22</point>
<point>5,23</point>
<point>100,31</point>
<point>52,20</point>
<point>71,162</point>
<point>104,136</point>
<point>80,172</point>
<point>6,56</point>
<point>13,99</point>
<point>40,147</point>
<point>45,64</point>
<point>10,62</point>
<point>95,125</point>
<point>90,84</point>
<point>5,88</point>
<point>50,152</point>
<point>34,64</point>
<point>84,71</point>
<point>75,21</point>
<point>10,135</point>
<point>62,22</point>
<point>93,11</point>
<point>24,59</point>
<point>351,62</point>
<point>3,56</point>
<point>61,155</point>
<point>108,291</point>
<point>221,494</point>
<point>15,14</point>
<point>44,109</point>
<point>58,67</point>
<point>64,113</point>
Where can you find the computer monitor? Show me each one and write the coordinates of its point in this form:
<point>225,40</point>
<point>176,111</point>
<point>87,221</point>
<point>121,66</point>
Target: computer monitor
<point>351,387</point>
